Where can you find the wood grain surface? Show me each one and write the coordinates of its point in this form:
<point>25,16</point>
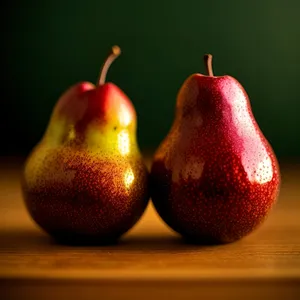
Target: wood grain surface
<point>151,260</point>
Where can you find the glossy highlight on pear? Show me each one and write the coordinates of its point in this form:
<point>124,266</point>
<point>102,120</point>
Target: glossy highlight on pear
<point>215,177</point>
<point>86,179</point>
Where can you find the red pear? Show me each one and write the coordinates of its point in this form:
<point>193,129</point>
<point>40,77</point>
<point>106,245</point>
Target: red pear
<point>215,177</point>
<point>86,179</point>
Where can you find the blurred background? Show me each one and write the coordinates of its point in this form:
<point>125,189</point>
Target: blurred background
<point>49,45</point>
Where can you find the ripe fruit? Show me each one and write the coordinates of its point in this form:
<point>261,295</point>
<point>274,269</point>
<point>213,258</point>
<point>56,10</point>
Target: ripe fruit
<point>86,179</point>
<point>215,177</point>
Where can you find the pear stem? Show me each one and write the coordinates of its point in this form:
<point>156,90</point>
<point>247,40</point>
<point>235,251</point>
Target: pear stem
<point>115,52</point>
<point>208,64</point>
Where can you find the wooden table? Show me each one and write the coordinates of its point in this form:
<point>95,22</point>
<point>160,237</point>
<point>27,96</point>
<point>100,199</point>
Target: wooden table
<point>150,261</point>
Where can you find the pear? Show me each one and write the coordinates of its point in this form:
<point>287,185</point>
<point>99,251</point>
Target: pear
<point>215,177</point>
<point>86,179</point>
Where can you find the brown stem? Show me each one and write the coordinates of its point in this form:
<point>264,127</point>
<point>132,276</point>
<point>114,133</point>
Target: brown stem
<point>115,52</point>
<point>208,64</point>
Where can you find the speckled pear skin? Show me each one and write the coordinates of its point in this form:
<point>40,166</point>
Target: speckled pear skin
<point>86,179</point>
<point>214,178</point>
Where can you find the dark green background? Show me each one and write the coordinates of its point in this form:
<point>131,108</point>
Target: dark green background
<point>49,45</point>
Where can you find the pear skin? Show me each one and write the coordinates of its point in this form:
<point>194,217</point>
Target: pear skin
<point>86,179</point>
<point>215,177</point>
